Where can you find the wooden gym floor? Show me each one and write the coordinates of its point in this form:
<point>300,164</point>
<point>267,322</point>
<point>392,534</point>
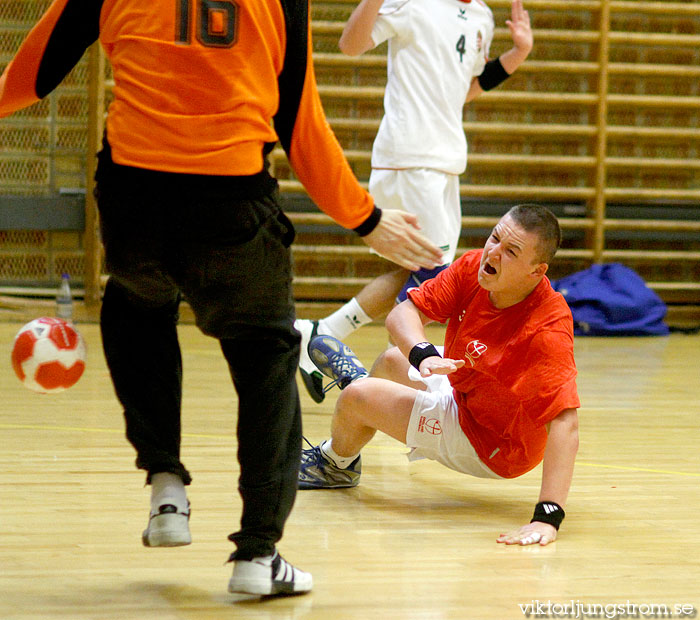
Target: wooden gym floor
<point>412,542</point>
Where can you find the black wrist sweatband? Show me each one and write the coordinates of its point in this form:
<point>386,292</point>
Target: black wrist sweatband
<point>549,512</point>
<point>493,74</point>
<point>370,223</point>
<point>420,351</point>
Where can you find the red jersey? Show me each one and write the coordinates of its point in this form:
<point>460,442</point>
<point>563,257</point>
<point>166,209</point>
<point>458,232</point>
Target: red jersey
<point>199,88</point>
<point>520,372</point>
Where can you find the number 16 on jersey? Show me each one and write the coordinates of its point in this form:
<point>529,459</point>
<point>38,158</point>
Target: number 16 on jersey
<point>216,22</point>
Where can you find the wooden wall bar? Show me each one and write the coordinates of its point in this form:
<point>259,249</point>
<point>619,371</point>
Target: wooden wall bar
<point>604,116</point>
<point>602,122</point>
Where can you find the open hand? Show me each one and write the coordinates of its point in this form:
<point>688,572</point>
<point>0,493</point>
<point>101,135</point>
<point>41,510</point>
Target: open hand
<point>439,366</point>
<point>397,238</point>
<point>519,25</point>
<point>531,534</point>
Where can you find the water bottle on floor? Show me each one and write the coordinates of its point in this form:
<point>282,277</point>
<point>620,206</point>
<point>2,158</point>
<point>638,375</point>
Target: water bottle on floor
<point>64,299</point>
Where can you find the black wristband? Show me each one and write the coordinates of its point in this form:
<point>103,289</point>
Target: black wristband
<point>420,351</point>
<point>370,223</point>
<point>492,75</point>
<point>549,512</point>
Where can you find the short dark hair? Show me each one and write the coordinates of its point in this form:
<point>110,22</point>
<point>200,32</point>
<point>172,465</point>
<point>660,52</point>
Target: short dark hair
<point>541,221</point>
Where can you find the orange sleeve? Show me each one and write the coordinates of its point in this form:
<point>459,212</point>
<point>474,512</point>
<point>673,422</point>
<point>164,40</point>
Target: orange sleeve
<point>18,82</point>
<point>319,163</point>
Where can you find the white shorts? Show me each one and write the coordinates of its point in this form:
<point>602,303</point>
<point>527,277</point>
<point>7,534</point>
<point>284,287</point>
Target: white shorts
<point>434,431</point>
<point>431,195</point>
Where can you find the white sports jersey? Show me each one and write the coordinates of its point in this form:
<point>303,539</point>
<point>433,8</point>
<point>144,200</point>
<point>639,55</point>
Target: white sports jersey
<point>436,48</point>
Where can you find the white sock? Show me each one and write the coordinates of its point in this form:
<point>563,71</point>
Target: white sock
<point>344,321</point>
<point>339,461</point>
<point>167,488</point>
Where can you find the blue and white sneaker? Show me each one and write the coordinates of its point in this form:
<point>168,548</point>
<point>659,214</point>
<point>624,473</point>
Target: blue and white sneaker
<point>318,472</point>
<point>335,360</point>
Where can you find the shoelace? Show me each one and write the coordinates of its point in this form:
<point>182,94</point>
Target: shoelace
<point>312,455</point>
<point>344,370</point>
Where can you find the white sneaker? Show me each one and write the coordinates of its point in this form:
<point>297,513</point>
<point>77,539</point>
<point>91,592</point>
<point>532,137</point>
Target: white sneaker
<point>167,528</point>
<point>312,377</point>
<point>270,574</point>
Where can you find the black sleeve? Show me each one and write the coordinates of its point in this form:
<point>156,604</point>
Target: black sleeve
<point>77,28</point>
<point>291,79</point>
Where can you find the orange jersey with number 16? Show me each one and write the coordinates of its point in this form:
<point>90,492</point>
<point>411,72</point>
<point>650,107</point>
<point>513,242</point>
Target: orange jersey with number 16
<point>200,87</point>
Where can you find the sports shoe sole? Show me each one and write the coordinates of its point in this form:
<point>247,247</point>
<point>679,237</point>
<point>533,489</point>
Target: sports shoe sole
<point>313,379</point>
<point>308,486</point>
<point>165,539</point>
<point>250,577</point>
<point>167,530</point>
<point>313,382</point>
<point>264,587</point>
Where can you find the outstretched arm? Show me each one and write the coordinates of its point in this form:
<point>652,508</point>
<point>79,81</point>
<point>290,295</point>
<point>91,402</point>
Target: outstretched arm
<point>357,34</point>
<point>51,49</point>
<point>557,473</point>
<point>397,238</point>
<point>521,33</point>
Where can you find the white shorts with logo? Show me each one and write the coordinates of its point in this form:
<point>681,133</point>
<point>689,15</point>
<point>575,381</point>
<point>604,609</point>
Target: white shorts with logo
<point>431,195</point>
<point>434,431</point>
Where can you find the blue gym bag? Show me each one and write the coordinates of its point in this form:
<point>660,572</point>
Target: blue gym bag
<point>612,300</point>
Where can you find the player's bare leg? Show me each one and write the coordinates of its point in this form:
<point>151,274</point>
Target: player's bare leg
<point>367,406</point>
<point>379,296</point>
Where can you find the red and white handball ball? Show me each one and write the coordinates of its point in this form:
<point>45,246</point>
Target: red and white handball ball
<point>48,355</point>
